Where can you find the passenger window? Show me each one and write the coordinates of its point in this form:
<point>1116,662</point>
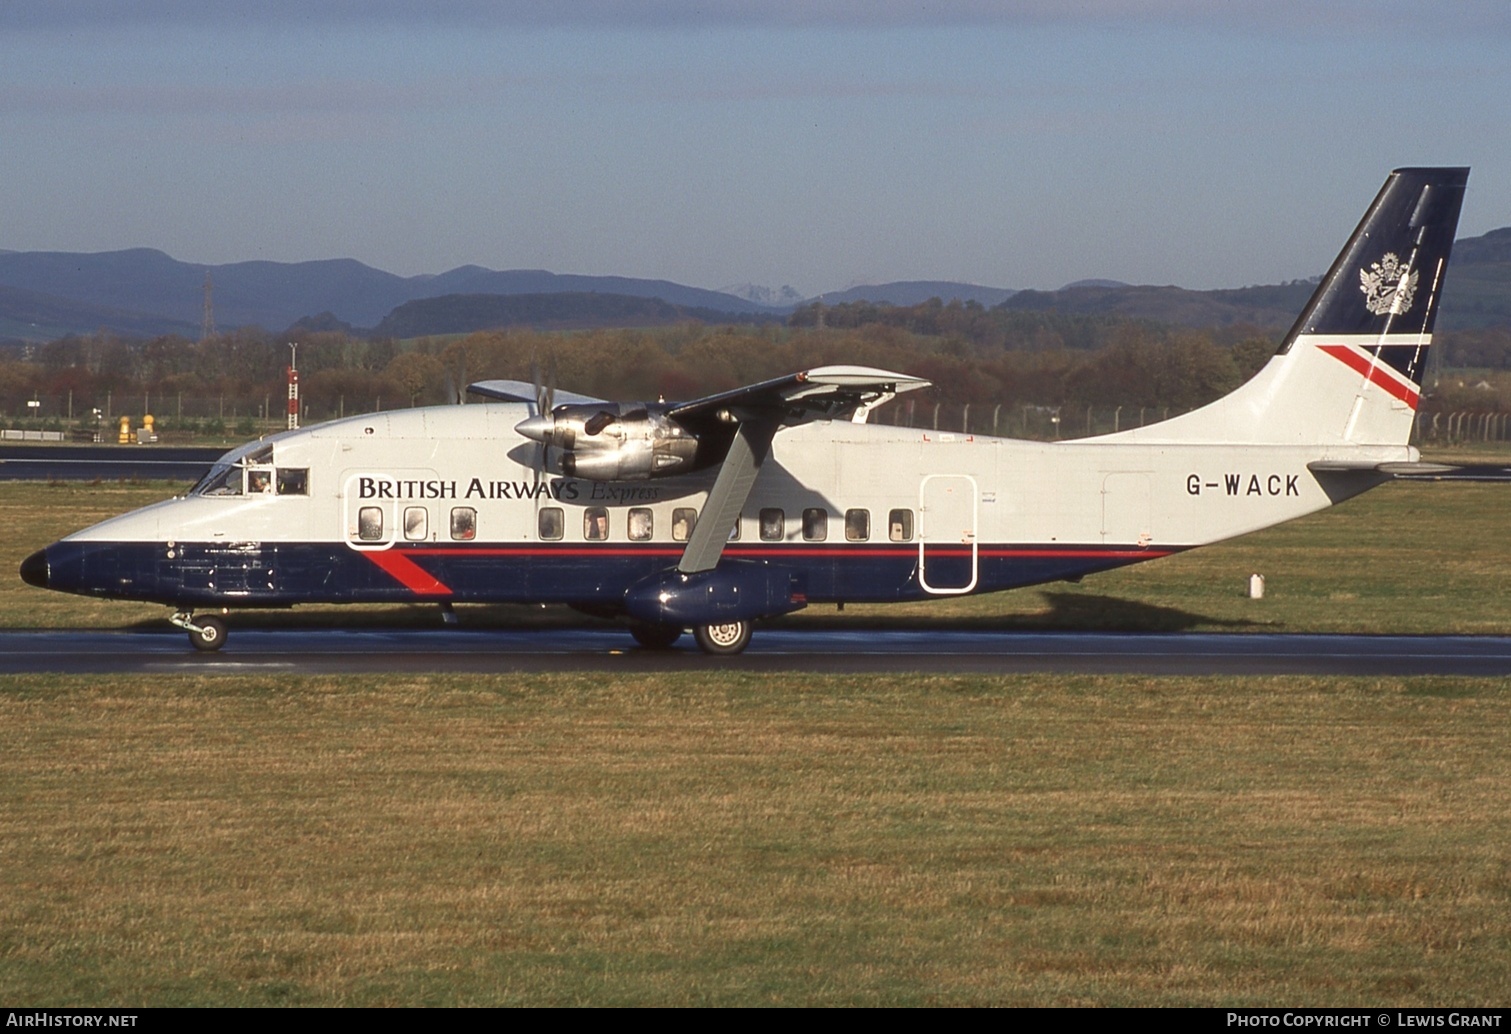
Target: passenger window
<point>595,524</point>
<point>684,519</point>
<point>900,525</point>
<point>293,481</point>
<point>641,523</point>
<point>463,523</point>
<point>370,524</point>
<point>416,523</point>
<point>815,524</point>
<point>551,525</point>
<point>771,524</point>
<point>858,525</point>
<point>734,533</point>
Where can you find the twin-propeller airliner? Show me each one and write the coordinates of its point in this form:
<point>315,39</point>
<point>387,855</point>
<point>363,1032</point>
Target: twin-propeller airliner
<point>712,514</point>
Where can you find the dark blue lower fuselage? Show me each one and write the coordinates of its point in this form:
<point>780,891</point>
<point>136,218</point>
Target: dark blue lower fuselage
<point>286,573</point>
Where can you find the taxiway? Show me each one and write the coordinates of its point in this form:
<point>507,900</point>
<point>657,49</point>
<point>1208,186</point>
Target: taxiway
<point>773,650</point>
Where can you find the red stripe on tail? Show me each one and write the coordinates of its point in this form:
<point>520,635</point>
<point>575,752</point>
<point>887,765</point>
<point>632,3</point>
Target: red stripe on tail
<point>1372,372</point>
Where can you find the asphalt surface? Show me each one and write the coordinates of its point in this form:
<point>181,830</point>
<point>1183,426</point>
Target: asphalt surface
<point>105,462</point>
<point>840,652</point>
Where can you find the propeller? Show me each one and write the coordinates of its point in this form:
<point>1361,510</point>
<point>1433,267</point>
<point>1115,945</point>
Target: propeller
<point>545,398</point>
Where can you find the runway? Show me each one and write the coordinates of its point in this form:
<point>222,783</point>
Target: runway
<point>105,462</point>
<point>270,652</point>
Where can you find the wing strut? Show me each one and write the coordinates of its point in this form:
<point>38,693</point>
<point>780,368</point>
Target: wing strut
<point>737,476</point>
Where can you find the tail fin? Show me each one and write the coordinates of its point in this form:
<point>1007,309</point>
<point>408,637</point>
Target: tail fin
<point>1351,368</point>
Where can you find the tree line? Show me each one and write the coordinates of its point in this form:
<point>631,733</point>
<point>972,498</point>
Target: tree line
<point>972,355</point>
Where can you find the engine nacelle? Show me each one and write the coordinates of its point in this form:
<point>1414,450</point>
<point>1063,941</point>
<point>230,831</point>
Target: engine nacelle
<point>612,441</point>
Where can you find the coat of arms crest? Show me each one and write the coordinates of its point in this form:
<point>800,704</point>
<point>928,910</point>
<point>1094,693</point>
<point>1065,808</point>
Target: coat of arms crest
<point>1388,286</point>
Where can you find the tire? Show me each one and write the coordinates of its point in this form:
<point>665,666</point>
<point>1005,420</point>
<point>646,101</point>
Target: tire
<point>211,635</point>
<point>723,640</point>
<point>656,637</point>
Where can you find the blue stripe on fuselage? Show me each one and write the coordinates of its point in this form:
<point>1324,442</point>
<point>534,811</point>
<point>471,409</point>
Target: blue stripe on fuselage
<point>251,574</point>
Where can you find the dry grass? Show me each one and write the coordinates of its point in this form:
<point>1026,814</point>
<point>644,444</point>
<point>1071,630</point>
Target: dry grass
<point>677,840</point>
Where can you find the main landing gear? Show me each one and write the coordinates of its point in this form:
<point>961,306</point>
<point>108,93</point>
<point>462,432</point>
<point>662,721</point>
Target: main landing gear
<point>655,637</point>
<point>725,639</point>
<point>206,633</point>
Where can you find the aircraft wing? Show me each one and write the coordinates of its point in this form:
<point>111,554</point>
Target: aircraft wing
<point>524,391</point>
<point>823,393</point>
<point>758,412</point>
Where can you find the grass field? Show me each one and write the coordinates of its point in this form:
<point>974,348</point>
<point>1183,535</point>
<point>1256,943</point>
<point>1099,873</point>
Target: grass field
<point>901,840</point>
<point>729,839</point>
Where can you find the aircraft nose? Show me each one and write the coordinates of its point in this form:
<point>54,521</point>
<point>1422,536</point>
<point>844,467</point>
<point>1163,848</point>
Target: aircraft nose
<point>536,428</point>
<point>34,569</point>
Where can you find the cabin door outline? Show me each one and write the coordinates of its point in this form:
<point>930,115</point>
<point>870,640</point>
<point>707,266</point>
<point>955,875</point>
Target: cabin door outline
<point>947,548</point>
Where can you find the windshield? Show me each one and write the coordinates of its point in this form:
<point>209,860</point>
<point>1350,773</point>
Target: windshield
<point>223,479</point>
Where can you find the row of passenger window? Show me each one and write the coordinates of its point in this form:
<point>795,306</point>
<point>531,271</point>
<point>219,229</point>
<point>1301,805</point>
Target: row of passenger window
<point>771,524</point>
<point>416,524</point>
<point>640,524</point>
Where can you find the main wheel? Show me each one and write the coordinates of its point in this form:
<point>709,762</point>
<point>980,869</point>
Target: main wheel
<point>655,637</point>
<point>211,635</point>
<point>725,639</point>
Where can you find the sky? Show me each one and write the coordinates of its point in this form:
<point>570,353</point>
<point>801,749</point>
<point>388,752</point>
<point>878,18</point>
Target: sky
<point>817,144</point>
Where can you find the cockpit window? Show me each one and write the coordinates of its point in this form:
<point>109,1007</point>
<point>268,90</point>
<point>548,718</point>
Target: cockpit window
<point>237,478</point>
<point>223,479</point>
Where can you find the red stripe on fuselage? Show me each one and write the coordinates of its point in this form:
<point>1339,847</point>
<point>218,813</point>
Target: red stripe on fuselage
<point>408,573</point>
<point>1373,372</point>
<point>817,551</point>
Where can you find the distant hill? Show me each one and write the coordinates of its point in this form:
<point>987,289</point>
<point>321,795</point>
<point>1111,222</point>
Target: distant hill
<point>912,292</point>
<point>1478,294</point>
<point>147,290</point>
<point>1272,307</point>
<point>34,316</point>
<point>141,292</point>
<point>783,297</point>
<point>1479,289</point>
<point>1095,282</point>
<point>465,313</point>
<point>475,280</point>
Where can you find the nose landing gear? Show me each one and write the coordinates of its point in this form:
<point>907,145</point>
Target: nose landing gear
<point>205,633</point>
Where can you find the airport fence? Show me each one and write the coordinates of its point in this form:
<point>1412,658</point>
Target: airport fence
<point>223,415</point>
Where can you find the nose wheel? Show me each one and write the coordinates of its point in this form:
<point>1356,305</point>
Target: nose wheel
<point>205,633</point>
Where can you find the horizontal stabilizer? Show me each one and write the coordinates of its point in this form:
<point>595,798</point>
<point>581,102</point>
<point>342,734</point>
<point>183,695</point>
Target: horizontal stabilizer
<point>1420,471</point>
<point>1469,472</point>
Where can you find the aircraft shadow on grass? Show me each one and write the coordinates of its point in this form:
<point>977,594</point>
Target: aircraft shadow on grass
<point>1066,611</point>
